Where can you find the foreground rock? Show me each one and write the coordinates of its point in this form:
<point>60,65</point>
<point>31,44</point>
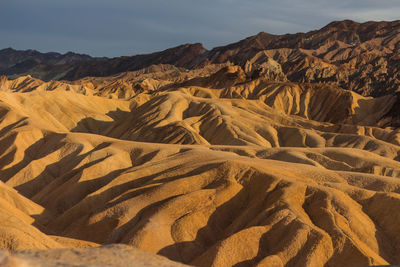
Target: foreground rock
<point>107,256</point>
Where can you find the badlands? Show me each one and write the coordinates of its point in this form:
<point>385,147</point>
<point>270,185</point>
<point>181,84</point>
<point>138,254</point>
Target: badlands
<point>273,151</point>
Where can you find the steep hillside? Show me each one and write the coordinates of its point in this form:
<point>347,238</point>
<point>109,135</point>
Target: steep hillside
<point>362,57</point>
<point>208,167</point>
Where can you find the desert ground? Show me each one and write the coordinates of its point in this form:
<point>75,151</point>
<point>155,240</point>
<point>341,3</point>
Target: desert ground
<point>217,165</point>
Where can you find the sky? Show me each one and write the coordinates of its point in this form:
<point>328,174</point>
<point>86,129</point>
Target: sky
<point>128,27</point>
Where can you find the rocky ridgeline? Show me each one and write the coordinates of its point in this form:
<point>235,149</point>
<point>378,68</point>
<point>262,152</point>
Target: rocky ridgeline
<point>362,57</point>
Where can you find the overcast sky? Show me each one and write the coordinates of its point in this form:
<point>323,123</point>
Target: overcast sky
<point>126,27</point>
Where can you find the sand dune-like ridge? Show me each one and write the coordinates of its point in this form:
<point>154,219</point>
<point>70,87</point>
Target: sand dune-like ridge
<point>215,169</point>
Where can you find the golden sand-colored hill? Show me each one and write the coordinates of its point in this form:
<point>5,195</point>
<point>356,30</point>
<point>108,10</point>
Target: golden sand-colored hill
<point>210,167</point>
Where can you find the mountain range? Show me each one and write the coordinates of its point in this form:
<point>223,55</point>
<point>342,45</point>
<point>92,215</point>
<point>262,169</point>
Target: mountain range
<point>361,57</point>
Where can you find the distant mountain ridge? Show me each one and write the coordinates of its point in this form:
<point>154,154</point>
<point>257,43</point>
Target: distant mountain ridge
<point>11,58</point>
<point>70,66</point>
<point>362,57</point>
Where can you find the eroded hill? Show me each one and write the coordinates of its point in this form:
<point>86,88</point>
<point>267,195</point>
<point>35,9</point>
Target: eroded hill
<point>207,167</point>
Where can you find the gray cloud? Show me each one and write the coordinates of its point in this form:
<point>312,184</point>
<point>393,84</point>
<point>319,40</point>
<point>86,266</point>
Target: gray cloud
<point>124,27</point>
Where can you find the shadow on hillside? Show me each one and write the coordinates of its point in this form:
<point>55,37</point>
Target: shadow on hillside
<point>104,230</point>
<point>5,144</point>
<point>51,141</point>
<point>55,170</point>
<point>209,235</point>
<point>91,125</point>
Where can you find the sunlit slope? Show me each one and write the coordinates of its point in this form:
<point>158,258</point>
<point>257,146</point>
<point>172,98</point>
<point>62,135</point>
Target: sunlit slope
<point>196,205</point>
<point>215,170</point>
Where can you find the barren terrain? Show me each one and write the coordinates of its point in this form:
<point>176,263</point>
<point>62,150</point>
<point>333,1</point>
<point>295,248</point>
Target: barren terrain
<point>211,166</point>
